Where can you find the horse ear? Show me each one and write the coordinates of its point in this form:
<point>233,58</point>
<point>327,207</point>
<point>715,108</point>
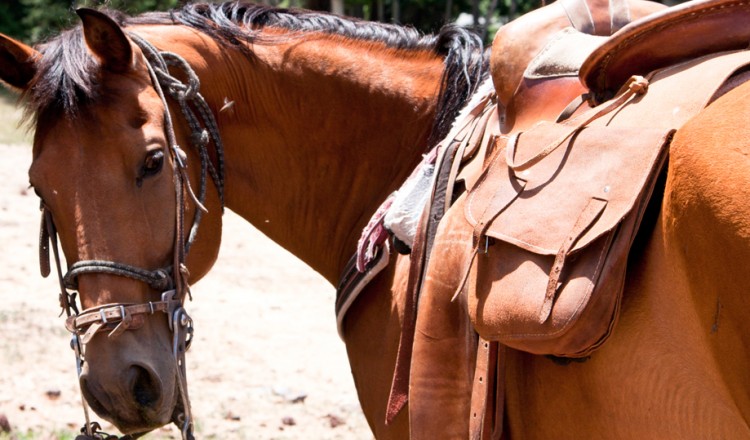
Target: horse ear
<point>106,40</point>
<point>17,62</point>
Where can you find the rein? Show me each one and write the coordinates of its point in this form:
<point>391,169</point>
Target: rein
<point>172,280</point>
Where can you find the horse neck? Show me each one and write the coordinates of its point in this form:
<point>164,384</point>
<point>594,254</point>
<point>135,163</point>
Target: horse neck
<point>317,132</point>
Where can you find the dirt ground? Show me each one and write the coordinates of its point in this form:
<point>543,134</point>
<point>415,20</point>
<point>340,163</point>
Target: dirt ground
<point>266,362</point>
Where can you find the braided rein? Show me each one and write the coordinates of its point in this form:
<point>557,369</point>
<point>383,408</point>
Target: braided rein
<point>172,281</point>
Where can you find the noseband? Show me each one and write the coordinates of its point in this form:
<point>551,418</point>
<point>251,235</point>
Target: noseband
<point>172,280</point>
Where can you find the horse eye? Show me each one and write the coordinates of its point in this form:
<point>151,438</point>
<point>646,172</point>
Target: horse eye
<point>153,163</point>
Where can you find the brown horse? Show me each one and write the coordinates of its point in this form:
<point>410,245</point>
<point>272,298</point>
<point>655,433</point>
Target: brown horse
<point>321,117</point>
<point>320,122</point>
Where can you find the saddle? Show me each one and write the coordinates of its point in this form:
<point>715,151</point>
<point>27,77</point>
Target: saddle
<point>562,203</point>
<point>535,59</point>
<point>553,207</point>
<point>684,32</point>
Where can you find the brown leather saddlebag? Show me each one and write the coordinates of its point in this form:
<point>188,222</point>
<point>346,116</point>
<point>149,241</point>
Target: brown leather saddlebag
<point>554,215</point>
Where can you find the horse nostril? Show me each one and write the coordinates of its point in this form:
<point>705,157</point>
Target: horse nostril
<point>146,387</point>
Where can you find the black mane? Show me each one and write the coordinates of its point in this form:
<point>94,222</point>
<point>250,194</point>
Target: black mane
<point>68,76</point>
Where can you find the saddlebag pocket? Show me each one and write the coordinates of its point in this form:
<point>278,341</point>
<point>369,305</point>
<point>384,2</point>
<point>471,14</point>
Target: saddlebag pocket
<point>552,235</point>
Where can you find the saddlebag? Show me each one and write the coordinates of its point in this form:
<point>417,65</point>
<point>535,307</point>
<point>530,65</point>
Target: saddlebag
<point>552,235</point>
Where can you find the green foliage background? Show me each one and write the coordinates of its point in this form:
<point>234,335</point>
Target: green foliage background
<point>35,20</point>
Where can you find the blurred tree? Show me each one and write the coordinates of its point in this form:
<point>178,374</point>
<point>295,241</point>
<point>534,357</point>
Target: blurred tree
<point>44,18</point>
<point>35,20</point>
<point>11,16</point>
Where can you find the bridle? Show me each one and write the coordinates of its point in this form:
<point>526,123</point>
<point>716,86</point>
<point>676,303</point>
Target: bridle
<point>171,281</point>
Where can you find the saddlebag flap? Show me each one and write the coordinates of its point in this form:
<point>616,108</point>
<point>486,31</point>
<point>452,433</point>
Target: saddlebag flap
<point>552,235</point>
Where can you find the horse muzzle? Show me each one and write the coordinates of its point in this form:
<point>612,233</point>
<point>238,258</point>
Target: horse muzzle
<point>132,386</point>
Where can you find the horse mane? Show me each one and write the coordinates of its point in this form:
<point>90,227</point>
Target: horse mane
<point>68,76</point>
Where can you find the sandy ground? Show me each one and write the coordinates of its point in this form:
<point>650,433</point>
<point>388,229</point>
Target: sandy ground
<point>266,362</point>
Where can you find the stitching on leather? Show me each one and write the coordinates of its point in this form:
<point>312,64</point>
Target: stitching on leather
<point>607,59</point>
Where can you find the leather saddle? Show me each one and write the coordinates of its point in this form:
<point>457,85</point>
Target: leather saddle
<point>684,32</point>
<point>527,160</point>
<point>535,59</point>
<point>535,78</point>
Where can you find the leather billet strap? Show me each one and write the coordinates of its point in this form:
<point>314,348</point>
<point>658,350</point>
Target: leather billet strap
<point>588,216</point>
<point>418,261</point>
<point>484,380</point>
<point>470,126</point>
<point>399,393</point>
<point>488,392</point>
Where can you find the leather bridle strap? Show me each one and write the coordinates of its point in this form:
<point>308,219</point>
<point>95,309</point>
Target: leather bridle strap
<point>203,126</point>
<point>159,279</point>
<point>47,237</point>
<point>85,325</point>
<point>96,318</point>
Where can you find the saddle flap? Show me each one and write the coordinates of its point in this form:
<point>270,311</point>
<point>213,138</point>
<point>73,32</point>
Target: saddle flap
<point>683,32</point>
<point>611,164</point>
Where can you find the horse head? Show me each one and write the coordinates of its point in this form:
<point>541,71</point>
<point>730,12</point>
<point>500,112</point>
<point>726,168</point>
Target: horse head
<point>116,189</point>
